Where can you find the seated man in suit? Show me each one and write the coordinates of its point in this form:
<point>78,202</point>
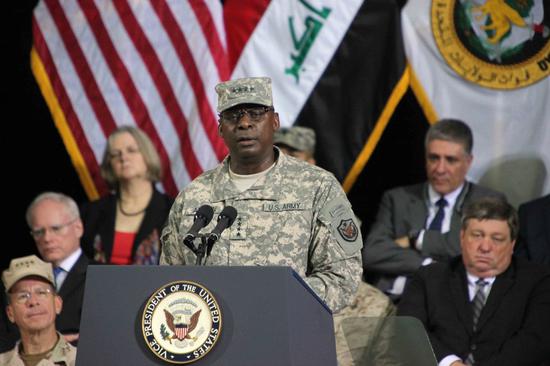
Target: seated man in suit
<point>55,224</point>
<point>33,305</point>
<point>420,223</point>
<point>534,230</point>
<point>485,307</point>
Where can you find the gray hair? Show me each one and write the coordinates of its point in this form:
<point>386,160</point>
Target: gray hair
<point>492,208</point>
<point>453,130</point>
<point>68,202</point>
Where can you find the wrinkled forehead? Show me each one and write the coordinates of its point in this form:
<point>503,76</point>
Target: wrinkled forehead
<point>488,226</point>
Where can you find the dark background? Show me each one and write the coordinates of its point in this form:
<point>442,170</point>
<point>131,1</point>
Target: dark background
<point>35,159</point>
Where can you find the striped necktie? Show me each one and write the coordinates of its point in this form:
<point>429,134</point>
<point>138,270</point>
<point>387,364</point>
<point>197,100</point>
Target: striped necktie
<point>477,305</point>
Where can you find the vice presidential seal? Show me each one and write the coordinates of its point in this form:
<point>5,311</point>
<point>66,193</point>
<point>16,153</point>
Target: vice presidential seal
<point>500,44</point>
<point>181,322</point>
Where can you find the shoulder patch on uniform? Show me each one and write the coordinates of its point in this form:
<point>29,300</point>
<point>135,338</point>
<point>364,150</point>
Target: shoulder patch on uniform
<point>348,230</point>
<point>338,215</point>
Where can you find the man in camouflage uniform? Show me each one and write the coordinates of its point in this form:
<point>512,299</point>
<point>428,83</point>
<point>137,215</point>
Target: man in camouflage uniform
<point>358,323</point>
<point>296,141</point>
<point>290,213</point>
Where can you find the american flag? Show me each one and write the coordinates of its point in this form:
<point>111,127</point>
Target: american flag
<point>154,64</point>
<point>336,66</point>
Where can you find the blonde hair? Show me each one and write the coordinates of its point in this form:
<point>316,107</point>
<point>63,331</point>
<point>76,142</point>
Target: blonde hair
<point>146,148</point>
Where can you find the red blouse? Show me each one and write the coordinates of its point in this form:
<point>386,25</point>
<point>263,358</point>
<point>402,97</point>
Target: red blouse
<point>122,247</point>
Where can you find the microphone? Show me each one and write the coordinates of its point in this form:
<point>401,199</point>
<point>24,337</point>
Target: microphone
<point>225,220</point>
<point>203,216</point>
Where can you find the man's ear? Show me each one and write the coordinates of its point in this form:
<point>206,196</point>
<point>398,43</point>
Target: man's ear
<point>9,312</point>
<point>79,227</point>
<point>220,129</point>
<point>276,122</point>
<point>58,302</point>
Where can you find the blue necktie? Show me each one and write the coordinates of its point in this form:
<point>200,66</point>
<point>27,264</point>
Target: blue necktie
<point>56,272</point>
<point>439,216</point>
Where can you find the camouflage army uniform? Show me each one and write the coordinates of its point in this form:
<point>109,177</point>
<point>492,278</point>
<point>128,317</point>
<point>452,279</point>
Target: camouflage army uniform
<point>62,354</point>
<point>297,215</point>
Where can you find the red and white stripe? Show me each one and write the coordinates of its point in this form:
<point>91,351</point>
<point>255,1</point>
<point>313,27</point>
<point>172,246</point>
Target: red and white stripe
<point>153,64</point>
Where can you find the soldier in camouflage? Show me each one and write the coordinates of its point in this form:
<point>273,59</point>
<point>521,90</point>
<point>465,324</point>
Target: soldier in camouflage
<point>370,306</point>
<point>296,141</point>
<point>290,213</point>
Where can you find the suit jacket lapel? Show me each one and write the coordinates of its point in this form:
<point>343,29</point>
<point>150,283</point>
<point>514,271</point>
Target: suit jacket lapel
<point>460,297</point>
<point>418,206</point>
<point>75,276</point>
<point>107,230</point>
<point>149,220</point>
<point>500,287</point>
<point>457,212</point>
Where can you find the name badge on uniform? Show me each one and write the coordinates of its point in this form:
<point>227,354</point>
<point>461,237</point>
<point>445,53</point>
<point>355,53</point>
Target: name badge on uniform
<point>279,206</point>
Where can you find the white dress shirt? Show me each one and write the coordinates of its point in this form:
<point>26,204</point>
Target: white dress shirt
<point>66,265</point>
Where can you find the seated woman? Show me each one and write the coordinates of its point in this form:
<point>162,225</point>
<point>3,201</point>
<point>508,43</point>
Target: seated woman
<point>125,226</point>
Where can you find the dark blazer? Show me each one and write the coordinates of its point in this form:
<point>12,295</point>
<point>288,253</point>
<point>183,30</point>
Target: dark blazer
<point>513,328</point>
<point>72,293</point>
<point>403,212</point>
<point>534,230</point>
<point>99,228</point>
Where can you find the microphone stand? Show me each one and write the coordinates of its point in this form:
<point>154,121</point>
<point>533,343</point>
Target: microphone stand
<point>201,251</point>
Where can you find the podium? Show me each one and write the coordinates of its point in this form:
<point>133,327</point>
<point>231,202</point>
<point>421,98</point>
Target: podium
<point>269,316</point>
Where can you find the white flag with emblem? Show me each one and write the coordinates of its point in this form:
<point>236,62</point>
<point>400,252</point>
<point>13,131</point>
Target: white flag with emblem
<point>488,64</point>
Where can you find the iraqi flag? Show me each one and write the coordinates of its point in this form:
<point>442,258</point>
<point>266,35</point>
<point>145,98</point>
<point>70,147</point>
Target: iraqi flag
<point>489,65</point>
<point>337,66</point>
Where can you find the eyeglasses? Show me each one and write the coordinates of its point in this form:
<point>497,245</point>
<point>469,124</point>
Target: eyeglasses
<point>117,154</point>
<point>255,114</point>
<point>55,229</point>
<point>41,293</point>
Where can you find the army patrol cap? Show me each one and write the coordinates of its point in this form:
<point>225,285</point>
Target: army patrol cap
<point>24,267</point>
<point>255,90</point>
<point>297,137</point>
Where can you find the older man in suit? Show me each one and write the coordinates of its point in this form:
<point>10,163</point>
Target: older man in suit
<point>418,224</point>
<point>55,224</point>
<point>485,307</point>
<point>534,230</point>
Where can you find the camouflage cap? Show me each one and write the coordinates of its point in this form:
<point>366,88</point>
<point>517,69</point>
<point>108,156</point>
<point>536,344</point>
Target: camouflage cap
<point>243,91</point>
<point>297,137</point>
<point>27,266</point>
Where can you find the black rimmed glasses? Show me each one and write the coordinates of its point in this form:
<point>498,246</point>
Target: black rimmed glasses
<point>255,114</point>
<point>54,229</point>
